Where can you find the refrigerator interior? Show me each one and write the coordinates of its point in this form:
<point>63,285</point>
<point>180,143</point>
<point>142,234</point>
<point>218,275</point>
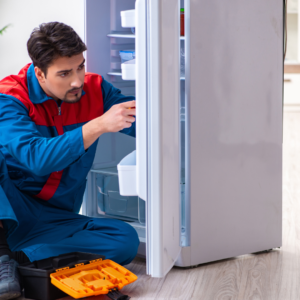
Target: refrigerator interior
<point>105,37</point>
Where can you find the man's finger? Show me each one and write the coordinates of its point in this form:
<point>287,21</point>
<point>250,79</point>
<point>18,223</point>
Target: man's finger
<point>127,125</point>
<point>129,104</point>
<point>130,119</point>
<point>130,112</point>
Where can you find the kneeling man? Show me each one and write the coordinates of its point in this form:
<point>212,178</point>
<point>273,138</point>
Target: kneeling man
<point>51,116</point>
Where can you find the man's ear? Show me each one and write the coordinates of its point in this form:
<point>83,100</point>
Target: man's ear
<point>39,75</point>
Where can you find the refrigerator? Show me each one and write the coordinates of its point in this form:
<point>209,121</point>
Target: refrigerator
<point>204,180</point>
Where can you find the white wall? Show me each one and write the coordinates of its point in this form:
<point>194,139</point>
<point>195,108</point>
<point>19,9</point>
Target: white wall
<point>25,15</point>
<point>292,42</point>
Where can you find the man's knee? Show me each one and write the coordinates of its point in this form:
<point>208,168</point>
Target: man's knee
<point>122,240</point>
<point>129,244</point>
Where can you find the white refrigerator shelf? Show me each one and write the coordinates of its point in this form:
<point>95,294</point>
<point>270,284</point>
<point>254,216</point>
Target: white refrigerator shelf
<point>121,35</point>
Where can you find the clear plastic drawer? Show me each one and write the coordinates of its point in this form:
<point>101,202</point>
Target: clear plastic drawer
<point>109,200</point>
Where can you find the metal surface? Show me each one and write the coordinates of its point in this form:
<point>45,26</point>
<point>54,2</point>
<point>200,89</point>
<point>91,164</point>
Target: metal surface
<point>120,35</point>
<point>114,73</point>
<point>234,96</point>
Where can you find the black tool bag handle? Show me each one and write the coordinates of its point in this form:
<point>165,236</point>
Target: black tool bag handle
<point>117,295</point>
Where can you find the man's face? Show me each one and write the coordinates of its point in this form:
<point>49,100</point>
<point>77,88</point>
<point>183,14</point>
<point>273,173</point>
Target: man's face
<point>65,78</point>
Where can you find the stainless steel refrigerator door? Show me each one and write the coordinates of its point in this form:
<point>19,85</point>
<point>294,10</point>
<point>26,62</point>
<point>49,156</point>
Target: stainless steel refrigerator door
<point>163,93</point>
<point>234,110</point>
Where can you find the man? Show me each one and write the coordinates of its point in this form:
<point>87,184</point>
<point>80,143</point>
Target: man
<point>51,116</point>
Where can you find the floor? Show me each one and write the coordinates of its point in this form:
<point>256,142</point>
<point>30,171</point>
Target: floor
<point>265,276</point>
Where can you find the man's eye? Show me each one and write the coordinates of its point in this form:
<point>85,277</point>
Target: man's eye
<point>81,67</point>
<point>63,74</point>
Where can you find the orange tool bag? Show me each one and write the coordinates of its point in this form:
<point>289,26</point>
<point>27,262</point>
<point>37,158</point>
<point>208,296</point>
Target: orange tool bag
<point>76,274</point>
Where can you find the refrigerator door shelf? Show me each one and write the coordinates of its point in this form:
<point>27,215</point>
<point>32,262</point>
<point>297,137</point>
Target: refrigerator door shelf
<point>128,18</point>
<point>128,70</point>
<point>127,175</point>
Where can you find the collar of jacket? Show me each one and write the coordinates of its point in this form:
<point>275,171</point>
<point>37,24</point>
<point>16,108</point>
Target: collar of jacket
<point>36,93</point>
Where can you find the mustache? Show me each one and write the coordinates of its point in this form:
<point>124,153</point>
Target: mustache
<point>74,89</point>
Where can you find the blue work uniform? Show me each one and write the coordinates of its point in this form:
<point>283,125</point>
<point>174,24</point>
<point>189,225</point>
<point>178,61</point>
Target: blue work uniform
<point>43,170</point>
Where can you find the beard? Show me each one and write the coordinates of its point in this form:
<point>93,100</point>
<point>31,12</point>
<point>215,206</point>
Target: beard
<point>77,96</point>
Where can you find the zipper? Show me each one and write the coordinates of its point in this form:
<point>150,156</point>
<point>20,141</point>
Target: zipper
<point>57,122</point>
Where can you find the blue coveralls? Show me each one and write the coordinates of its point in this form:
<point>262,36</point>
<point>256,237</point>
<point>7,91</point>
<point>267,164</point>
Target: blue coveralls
<point>31,151</point>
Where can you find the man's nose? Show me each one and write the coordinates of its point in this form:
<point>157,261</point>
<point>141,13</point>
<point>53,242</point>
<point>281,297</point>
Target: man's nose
<point>76,82</point>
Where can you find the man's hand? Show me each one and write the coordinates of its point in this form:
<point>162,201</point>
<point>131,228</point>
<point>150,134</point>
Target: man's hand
<point>119,116</point>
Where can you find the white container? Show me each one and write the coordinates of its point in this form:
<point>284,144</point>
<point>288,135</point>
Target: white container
<point>127,175</point>
<point>128,18</point>
<point>128,70</point>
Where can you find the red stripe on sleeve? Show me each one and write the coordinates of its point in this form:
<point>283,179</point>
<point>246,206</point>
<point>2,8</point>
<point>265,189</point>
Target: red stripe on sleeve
<point>50,186</point>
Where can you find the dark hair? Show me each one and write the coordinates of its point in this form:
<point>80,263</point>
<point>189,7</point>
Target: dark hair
<point>52,40</point>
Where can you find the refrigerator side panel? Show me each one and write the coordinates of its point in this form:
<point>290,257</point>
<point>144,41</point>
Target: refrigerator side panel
<point>163,223</point>
<point>234,111</point>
